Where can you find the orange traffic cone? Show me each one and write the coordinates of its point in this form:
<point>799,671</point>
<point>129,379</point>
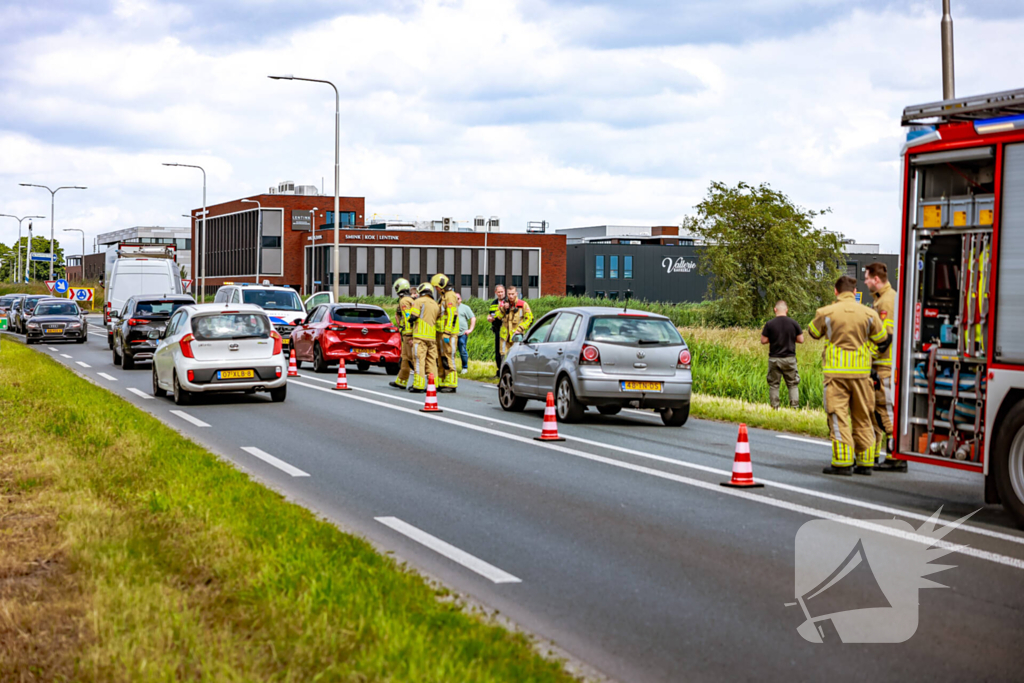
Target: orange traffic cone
<point>742,470</point>
<point>342,384</point>
<point>293,371</point>
<point>550,430</point>
<point>430,406</point>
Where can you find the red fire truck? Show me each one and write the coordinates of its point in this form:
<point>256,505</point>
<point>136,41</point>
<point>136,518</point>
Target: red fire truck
<point>959,398</point>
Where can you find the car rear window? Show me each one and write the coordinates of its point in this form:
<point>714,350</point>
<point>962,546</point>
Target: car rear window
<point>360,316</point>
<point>632,330</point>
<point>157,308</point>
<point>57,308</point>
<point>230,326</point>
<point>6,301</point>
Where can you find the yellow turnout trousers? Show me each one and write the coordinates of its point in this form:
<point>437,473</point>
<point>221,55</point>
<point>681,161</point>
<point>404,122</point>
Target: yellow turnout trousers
<point>882,414</point>
<point>449,349</point>
<point>849,402</point>
<point>407,361</point>
<point>424,353</point>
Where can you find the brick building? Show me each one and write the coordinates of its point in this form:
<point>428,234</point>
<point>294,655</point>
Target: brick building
<point>372,257</point>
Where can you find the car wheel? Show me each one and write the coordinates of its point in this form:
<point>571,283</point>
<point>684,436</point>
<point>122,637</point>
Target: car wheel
<point>85,338</point>
<point>567,407</point>
<point>392,368</point>
<point>1008,462</point>
<point>507,395</point>
<point>127,362</point>
<point>117,356</point>
<point>362,366</point>
<point>278,395</point>
<point>677,416</point>
<point>182,396</point>
<point>110,340</point>
<point>319,362</point>
<point>157,391</point>
<point>609,410</point>
<point>29,342</point>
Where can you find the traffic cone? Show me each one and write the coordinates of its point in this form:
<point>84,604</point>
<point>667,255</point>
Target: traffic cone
<point>550,430</point>
<point>342,384</point>
<point>430,406</point>
<point>742,470</point>
<point>293,371</point>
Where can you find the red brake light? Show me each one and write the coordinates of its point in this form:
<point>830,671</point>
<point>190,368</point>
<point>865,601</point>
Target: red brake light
<point>191,376</point>
<point>277,372</point>
<point>590,354</point>
<point>684,359</point>
<point>278,342</point>
<point>186,345</point>
<point>336,328</point>
<point>136,321</point>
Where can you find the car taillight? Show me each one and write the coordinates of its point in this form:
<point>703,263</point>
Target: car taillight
<point>684,359</point>
<point>391,330</point>
<point>191,376</point>
<point>336,328</point>
<point>278,341</point>
<point>106,313</point>
<point>186,345</point>
<point>136,321</point>
<point>277,372</point>
<point>590,355</point>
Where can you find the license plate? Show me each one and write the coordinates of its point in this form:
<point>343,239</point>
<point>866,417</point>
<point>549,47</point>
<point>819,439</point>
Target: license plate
<point>363,352</point>
<point>53,330</point>
<point>640,386</point>
<point>236,374</point>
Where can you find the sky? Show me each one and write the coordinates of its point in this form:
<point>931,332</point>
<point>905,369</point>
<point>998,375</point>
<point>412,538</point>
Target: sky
<point>576,112</point>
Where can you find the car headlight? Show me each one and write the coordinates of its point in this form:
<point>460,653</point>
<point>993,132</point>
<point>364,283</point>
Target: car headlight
<point>74,325</point>
<point>33,326</point>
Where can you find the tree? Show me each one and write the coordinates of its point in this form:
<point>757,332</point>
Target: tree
<point>38,270</point>
<point>760,247</point>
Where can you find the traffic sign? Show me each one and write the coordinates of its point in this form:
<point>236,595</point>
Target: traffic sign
<point>81,293</point>
<point>3,323</point>
<point>186,284</point>
<point>61,286</point>
<point>50,285</point>
<point>35,256</point>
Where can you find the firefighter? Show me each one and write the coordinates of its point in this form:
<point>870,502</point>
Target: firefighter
<point>448,335</point>
<point>403,290</point>
<point>425,317</point>
<point>516,318</point>
<point>876,278</point>
<point>854,333</point>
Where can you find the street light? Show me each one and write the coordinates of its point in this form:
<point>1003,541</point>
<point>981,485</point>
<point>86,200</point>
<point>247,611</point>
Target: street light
<point>202,234</point>
<point>312,224</point>
<point>83,248</point>
<point>7,215</point>
<point>259,234</point>
<point>337,154</point>
<point>52,194</point>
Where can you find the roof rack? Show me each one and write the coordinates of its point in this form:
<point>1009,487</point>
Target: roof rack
<point>1005,103</point>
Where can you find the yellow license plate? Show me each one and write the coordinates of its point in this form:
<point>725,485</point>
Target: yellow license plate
<point>363,352</point>
<point>236,374</point>
<point>53,330</point>
<point>641,386</point>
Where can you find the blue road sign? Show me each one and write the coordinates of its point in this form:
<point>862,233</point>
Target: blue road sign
<point>61,287</point>
<point>82,295</point>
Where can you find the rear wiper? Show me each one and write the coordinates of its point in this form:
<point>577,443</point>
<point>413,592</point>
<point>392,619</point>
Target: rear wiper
<point>648,341</point>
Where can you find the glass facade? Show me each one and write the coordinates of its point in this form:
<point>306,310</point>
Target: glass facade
<point>599,266</point>
<point>613,266</point>
<point>627,267</point>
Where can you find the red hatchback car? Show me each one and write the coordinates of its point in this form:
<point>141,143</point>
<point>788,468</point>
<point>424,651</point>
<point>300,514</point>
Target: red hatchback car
<point>358,333</point>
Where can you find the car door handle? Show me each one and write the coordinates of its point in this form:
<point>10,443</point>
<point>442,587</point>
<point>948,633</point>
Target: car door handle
<point>560,352</point>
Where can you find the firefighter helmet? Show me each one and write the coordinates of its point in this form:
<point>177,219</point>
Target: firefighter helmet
<point>440,281</point>
<point>425,288</point>
<point>401,285</point>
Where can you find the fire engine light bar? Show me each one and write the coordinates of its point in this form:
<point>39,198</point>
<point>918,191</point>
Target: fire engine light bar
<point>1000,125</point>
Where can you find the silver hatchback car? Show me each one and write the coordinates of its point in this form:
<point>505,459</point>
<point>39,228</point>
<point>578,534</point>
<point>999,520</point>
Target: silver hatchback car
<point>605,357</point>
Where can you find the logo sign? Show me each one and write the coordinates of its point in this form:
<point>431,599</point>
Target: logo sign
<point>81,293</point>
<point>860,584</point>
<point>61,286</point>
<point>50,285</point>
<point>679,265</point>
<point>302,220</point>
<point>372,238</point>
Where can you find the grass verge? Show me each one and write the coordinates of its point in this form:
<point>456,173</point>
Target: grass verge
<point>129,553</point>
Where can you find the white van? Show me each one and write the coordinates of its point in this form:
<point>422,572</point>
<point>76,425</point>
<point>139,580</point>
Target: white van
<point>138,276</point>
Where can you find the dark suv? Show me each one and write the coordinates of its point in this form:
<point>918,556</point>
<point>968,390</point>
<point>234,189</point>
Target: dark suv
<point>139,325</point>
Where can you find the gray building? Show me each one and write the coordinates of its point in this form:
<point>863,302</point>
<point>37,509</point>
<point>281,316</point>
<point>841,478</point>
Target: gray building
<point>181,238</point>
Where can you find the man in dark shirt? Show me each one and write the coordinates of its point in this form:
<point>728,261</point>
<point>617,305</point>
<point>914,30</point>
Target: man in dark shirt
<point>782,334</point>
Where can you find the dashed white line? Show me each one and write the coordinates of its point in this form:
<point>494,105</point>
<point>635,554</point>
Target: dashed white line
<point>484,569</point>
<point>139,392</point>
<point>188,418</point>
<point>107,377</point>
<point>84,365</point>
<point>64,355</point>
<point>276,462</point>
<point>52,349</point>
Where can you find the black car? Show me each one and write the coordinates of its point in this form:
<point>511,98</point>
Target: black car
<point>138,326</point>
<point>56,319</point>
<point>23,311</point>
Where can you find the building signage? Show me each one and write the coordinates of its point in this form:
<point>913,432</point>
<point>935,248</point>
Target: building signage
<point>679,265</point>
<point>302,220</point>
<point>373,238</point>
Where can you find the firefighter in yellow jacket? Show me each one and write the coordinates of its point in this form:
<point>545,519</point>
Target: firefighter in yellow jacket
<point>515,316</point>
<point>448,333</point>
<point>403,290</point>
<point>854,334</point>
<point>425,317</point>
<point>876,279</point>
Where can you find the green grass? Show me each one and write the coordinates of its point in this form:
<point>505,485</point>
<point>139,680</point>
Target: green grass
<point>165,563</point>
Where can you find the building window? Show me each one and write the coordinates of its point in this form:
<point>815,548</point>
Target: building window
<point>343,278</point>
<point>344,218</point>
<point>378,278</point>
<point>599,266</point>
<point>360,278</point>
<point>534,280</point>
<point>480,280</point>
<point>395,277</point>
<point>613,267</point>
<point>614,296</point>
<point>414,278</point>
<point>467,280</point>
<point>499,279</point>
<point>599,295</point>
<point>271,242</point>
<point>627,267</point>
<point>517,280</point>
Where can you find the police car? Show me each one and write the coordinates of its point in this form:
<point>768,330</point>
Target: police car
<point>282,304</point>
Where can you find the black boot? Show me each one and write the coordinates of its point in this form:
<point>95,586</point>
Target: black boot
<point>863,469</point>
<point>841,471</point>
<point>891,465</point>
<point>395,385</point>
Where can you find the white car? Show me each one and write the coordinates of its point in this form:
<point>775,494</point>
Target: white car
<point>209,348</point>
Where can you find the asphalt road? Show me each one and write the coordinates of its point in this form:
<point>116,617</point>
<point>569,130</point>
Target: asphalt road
<point>618,544</point>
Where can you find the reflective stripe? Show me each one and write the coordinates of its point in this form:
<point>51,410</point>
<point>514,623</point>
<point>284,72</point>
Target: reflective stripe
<point>813,330</point>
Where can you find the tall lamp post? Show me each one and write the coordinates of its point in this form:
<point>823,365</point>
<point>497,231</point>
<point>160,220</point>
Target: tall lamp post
<point>202,234</point>
<point>52,194</point>
<point>337,154</point>
<point>83,248</point>
<point>7,215</point>
<point>259,233</point>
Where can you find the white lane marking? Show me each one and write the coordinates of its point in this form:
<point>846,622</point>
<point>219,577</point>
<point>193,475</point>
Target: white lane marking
<point>106,376</point>
<point>52,349</point>
<point>64,355</point>
<point>834,498</point>
<point>746,495</point>
<point>84,365</point>
<point>99,334</point>
<point>484,569</point>
<point>188,418</point>
<point>816,442</point>
<point>139,392</point>
<point>271,460</point>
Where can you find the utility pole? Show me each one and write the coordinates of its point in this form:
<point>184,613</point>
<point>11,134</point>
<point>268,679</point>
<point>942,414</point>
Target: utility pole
<point>17,270</point>
<point>52,195</point>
